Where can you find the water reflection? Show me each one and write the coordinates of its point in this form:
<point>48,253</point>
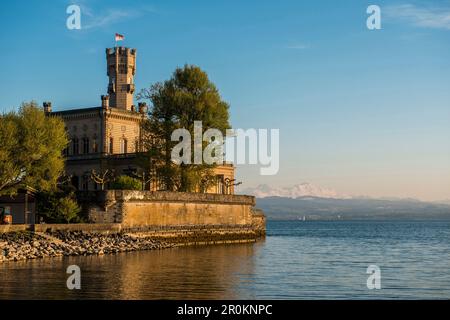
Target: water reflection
<point>201,272</point>
<point>297,260</point>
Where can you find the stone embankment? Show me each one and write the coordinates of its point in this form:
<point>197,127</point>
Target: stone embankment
<point>23,245</point>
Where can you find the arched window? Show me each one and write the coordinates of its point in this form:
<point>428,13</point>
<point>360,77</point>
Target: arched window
<point>220,187</point>
<point>123,145</point>
<point>75,182</point>
<point>85,145</point>
<point>75,146</point>
<point>111,145</point>
<point>85,183</point>
<point>136,146</point>
<point>94,145</point>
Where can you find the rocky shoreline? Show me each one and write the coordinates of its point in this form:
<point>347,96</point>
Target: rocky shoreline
<point>25,245</point>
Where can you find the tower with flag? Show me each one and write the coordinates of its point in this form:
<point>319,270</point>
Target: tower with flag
<point>121,67</point>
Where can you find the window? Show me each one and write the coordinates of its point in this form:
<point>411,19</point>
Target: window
<point>123,146</point>
<point>75,146</point>
<point>85,183</point>
<point>94,146</point>
<point>111,145</point>
<point>85,145</point>
<point>227,188</point>
<point>122,68</point>
<point>136,146</point>
<point>220,184</point>
<point>74,182</point>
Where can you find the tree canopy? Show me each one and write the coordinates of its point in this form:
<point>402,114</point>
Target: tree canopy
<point>176,103</point>
<point>31,146</point>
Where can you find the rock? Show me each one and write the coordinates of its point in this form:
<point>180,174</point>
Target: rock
<point>22,246</point>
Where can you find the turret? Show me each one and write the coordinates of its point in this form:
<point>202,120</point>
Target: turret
<point>47,107</point>
<point>105,101</point>
<point>121,67</point>
<point>142,107</point>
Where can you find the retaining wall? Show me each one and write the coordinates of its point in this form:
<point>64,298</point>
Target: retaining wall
<point>171,216</point>
<point>168,209</point>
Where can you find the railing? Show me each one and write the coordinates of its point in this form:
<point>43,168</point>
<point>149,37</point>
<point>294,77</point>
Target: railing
<point>100,155</point>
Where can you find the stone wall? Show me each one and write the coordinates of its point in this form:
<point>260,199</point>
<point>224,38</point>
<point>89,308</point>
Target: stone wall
<point>145,209</point>
<point>104,228</point>
<point>6,228</point>
<point>182,218</point>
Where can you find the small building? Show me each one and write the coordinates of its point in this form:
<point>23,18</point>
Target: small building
<point>21,206</point>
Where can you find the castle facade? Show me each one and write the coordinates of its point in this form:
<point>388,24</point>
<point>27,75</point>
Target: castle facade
<point>108,137</point>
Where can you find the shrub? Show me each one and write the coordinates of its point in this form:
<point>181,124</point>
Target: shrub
<point>58,207</point>
<point>126,183</point>
<point>67,209</point>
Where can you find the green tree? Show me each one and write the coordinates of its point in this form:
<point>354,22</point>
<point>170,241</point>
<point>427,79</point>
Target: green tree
<point>126,183</point>
<point>58,207</point>
<point>67,209</point>
<point>186,97</point>
<point>31,146</point>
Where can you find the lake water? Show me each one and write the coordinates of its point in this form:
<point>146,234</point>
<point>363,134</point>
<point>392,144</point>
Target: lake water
<point>297,260</point>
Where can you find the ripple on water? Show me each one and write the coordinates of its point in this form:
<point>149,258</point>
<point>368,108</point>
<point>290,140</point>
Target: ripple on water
<point>298,260</point>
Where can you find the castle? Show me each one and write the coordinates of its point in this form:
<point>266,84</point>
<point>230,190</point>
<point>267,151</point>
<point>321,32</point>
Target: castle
<point>109,136</point>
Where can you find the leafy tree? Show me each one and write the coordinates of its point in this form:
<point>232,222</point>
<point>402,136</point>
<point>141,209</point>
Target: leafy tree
<point>126,183</point>
<point>186,97</point>
<point>67,209</point>
<point>58,207</point>
<point>31,146</point>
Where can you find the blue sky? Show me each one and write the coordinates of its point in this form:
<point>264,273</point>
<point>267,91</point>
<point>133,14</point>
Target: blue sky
<point>363,112</point>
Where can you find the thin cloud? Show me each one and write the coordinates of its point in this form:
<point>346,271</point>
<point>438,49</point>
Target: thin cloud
<point>427,17</point>
<point>92,20</point>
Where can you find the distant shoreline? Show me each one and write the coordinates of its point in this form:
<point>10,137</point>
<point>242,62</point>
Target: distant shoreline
<point>280,208</point>
<point>363,220</point>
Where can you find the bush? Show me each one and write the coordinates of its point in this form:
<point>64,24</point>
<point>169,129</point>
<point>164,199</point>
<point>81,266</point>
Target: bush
<point>126,183</point>
<point>58,207</point>
<point>67,209</point>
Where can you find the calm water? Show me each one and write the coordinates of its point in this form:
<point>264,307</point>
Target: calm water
<point>298,260</point>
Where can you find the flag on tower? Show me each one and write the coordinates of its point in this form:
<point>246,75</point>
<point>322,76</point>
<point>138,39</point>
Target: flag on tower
<point>119,37</point>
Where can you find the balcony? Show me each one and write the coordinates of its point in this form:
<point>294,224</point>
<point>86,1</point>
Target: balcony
<point>100,155</point>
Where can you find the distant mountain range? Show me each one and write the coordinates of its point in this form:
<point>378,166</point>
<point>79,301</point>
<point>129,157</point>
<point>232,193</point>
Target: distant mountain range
<point>306,201</point>
<point>295,191</point>
<point>333,209</point>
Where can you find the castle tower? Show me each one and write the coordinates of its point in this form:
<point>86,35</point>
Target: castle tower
<point>121,66</point>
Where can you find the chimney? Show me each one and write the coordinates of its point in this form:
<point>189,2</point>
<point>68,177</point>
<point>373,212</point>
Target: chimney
<point>142,107</point>
<point>105,102</point>
<point>47,107</point>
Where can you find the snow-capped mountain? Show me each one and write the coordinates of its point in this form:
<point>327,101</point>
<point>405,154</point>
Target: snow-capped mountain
<point>295,191</point>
